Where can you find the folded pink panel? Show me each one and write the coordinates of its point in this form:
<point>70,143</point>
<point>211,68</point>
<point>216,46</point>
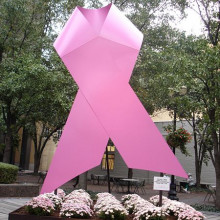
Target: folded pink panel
<point>100,47</point>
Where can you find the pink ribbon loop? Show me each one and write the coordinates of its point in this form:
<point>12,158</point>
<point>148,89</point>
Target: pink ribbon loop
<point>100,47</point>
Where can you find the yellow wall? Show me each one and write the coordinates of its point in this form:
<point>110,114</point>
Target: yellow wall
<point>47,155</point>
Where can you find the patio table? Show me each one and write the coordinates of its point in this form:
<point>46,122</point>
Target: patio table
<point>130,181</point>
<point>100,177</point>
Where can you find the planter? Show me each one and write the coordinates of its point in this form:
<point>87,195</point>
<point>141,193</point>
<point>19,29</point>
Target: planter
<point>19,190</point>
<point>21,214</point>
<point>171,218</point>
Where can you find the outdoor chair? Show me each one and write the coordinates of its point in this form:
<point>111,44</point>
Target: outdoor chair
<point>117,184</point>
<point>123,184</point>
<point>103,180</point>
<point>140,186</point>
<point>211,192</point>
<point>94,179</point>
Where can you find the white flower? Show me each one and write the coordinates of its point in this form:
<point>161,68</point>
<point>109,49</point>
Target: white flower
<point>107,206</point>
<point>77,204</point>
<point>40,205</point>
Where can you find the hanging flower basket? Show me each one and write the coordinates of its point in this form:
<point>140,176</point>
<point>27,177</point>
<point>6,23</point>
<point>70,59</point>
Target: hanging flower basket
<point>178,138</point>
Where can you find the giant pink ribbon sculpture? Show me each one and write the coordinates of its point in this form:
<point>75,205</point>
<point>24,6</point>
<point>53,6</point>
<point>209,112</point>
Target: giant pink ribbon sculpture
<point>100,47</point>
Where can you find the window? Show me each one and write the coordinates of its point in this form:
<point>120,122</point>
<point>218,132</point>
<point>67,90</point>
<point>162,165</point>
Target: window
<point>111,158</point>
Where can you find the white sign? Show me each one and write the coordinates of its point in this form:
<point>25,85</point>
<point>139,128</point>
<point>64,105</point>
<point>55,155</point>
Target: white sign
<point>162,183</point>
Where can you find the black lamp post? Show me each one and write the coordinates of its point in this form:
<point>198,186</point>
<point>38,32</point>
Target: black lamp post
<point>172,194</point>
<point>108,172</point>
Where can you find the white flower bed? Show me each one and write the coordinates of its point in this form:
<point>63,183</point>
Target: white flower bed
<point>108,207</point>
<point>155,200</point>
<point>60,193</point>
<point>40,205</point>
<point>80,195</point>
<point>174,208</point>
<point>129,202</point>
<point>78,205</point>
<point>56,200</point>
<point>190,214</point>
<point>181,210</point>
<point>133,203</point>
<point>73,209</point>
<point>142,209</point>
<point>150,213</point>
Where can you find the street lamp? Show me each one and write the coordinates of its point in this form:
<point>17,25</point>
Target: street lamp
<point>172,194</point>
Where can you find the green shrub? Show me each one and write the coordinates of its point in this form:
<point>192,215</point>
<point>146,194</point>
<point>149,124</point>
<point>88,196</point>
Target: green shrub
<point>8,173</point>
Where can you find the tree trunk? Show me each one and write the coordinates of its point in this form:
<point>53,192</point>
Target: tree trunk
<point>197,166</point>
<point>39,146</point>
<point>10,121</point>
<point>2,145</point>
<point>1,52</point>
<point>217,170</point>
<point>37,157</point>
<point>25,150</point>
<point>197,162</point>
<point>216,147</point>
<point>217,166</point>
<point>198,177</point>
<point>8,147</point>
<point>130,173</point>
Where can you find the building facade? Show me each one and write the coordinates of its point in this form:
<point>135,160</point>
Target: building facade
<point>118,168</point>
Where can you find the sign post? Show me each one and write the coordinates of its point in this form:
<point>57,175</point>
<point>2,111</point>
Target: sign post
<point>162,184</point>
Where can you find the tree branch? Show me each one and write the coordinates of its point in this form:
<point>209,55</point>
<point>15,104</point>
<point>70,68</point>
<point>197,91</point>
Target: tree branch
<point>122,3</point>
<point>218,27</point>
<point>41,137</point>
<point>28,26</point>
<point>156,9</point>
<point>48,137</point>
<point>212,158</point>
<point>3,113</point>
<point>35,138</point>
<point>207,24</point>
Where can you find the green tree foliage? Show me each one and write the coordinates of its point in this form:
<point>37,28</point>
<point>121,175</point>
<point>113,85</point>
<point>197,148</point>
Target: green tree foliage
<point>34,84</point>
<point>194,63</point>
<point>200,70</point>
